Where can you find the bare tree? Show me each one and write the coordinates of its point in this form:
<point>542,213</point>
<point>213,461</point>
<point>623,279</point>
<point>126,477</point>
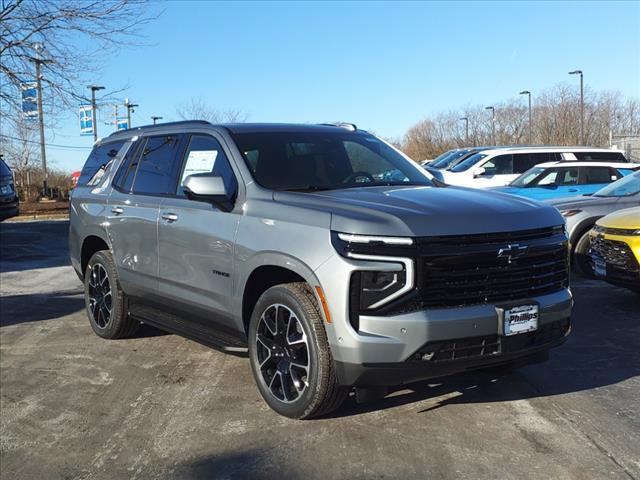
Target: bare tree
<point>21,151</point>
<point>556,117</point>
<point>197,109</point>
<point>69,36</point>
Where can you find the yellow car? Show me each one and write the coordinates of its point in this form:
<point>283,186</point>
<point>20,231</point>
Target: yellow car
<point>615,248</point>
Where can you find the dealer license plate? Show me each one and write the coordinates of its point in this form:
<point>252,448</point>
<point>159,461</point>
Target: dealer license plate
<point>520,319</point>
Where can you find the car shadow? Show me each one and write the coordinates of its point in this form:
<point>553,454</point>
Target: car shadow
<point>37,307</point>
<point>603,349</point>
<point>29,245</point>
<point>16,309</point>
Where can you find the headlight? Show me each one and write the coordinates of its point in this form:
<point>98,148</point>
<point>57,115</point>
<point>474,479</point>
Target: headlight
<point>570,212</point>
<point>350,238</point>
<point>375,288</point>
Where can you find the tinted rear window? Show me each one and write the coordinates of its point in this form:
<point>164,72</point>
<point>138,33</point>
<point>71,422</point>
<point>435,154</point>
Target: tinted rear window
<point>99,157</point>
<point>158,166</point>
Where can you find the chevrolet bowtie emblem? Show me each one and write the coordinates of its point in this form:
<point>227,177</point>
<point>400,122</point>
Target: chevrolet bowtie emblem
<point>511,252</point>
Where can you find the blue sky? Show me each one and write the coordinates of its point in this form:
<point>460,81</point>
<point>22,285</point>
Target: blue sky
<point>381,65</point>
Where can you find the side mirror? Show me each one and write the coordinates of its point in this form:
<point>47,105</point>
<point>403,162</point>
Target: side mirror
<point>480,171</point>
<point>206,187</point>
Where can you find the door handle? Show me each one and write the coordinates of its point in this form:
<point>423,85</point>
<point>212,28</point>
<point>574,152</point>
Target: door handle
<point>169,217</point>
<point>573,190</point>
<point>117,210</point>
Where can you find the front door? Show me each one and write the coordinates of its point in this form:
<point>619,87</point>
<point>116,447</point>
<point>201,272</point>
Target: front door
<point>196,239</point>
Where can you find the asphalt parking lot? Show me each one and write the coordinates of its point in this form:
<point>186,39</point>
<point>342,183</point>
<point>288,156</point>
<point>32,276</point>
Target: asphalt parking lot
<point>159,406</point>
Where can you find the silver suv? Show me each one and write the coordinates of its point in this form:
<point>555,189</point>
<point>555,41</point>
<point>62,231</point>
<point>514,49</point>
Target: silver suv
<point>322,251</point>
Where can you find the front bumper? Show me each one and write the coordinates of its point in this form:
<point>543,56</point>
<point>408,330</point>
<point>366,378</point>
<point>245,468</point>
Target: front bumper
<point>459,355</point>
<point>9,206</point>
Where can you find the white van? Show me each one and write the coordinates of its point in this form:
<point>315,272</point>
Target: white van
<point>499,166</point>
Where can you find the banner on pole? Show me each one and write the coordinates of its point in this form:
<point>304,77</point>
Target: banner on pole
<point>29,94</point>
<point>122,123</point>
<point>86,120</point>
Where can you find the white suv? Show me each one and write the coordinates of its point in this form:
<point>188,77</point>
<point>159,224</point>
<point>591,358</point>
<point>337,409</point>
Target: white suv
<point>500,166</point>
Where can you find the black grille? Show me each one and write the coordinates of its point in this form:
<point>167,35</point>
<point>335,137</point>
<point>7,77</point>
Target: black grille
<point>473,273</point>
<point>613,252</point>
<point>489,345</point>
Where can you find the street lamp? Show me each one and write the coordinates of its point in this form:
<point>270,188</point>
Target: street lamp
<point>527,92</point>
<point>130,108</point>
<point>493,124</point>
<point>155,119</point>
<point>466,129</point>
<point>579,72</point>
<point>94,89</point>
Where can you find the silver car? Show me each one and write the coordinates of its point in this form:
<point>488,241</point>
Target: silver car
<point>582,213</point>
<point>287,242</point>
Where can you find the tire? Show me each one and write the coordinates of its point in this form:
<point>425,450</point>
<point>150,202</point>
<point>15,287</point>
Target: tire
<point>580,256</point>
<point>278,359</point>
<point>104,299</point>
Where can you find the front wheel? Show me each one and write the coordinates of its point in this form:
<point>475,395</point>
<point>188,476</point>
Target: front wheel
<point>581,256</point>
<point>289,353</point>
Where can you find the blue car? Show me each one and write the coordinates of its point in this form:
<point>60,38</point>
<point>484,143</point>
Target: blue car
<point>566,179</point>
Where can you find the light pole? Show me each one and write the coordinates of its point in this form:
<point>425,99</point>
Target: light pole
<point>155,119</point>
<point>130,109</point>
<point>527,92</point>
<point>43,154</point>
<point>493,124</point>
<point>466,129</point>
<point>579,72</point>
<point>94,89</point>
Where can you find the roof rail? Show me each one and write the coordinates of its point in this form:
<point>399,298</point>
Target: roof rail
<point>348,126</point>
<point>167,124</point>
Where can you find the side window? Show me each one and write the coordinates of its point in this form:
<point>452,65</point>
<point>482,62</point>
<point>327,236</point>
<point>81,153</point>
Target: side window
<point>548,178</point>
<point>98,159</point>
<point>568,176</point>
<point>597,175</point>
<point>499,165</point>
<point>205,155</point>
<point>524,161</point>
<point>595,156</point>
<point>158,164</point>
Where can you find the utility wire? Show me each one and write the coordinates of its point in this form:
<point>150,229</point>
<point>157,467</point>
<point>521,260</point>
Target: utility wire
<point>52,145</point>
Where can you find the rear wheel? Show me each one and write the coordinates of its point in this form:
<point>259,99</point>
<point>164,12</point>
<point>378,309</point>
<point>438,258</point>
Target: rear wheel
<point>104,299</point>
<point>290,356</point>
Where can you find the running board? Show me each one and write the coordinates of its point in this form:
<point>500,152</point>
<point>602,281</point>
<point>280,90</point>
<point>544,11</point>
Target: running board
<point>211,337</point>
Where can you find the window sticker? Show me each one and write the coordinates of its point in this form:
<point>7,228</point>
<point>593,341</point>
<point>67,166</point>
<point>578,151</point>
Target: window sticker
<point>199,161</point>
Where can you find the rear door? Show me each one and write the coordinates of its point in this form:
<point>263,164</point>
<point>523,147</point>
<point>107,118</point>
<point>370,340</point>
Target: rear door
<point>594,178</point>
<point>133,210</point>
<point>196,239</point>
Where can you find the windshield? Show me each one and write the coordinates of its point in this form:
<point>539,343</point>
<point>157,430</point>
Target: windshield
<point>624,187</point>
<point>441,157</point>
<point>324,161</point>
<point>527,177</point>
<point>468,163</point>
<point>4,169</point>
<point>450,159</point>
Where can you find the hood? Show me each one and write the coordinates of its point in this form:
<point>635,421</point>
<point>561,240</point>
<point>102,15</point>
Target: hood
<point>581,201</point>
<point>424,211</point>
<point>629,218</point>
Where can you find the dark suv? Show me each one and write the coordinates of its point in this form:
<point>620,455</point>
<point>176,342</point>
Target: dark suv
<point>294,243</point>
<point>9,203</point>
